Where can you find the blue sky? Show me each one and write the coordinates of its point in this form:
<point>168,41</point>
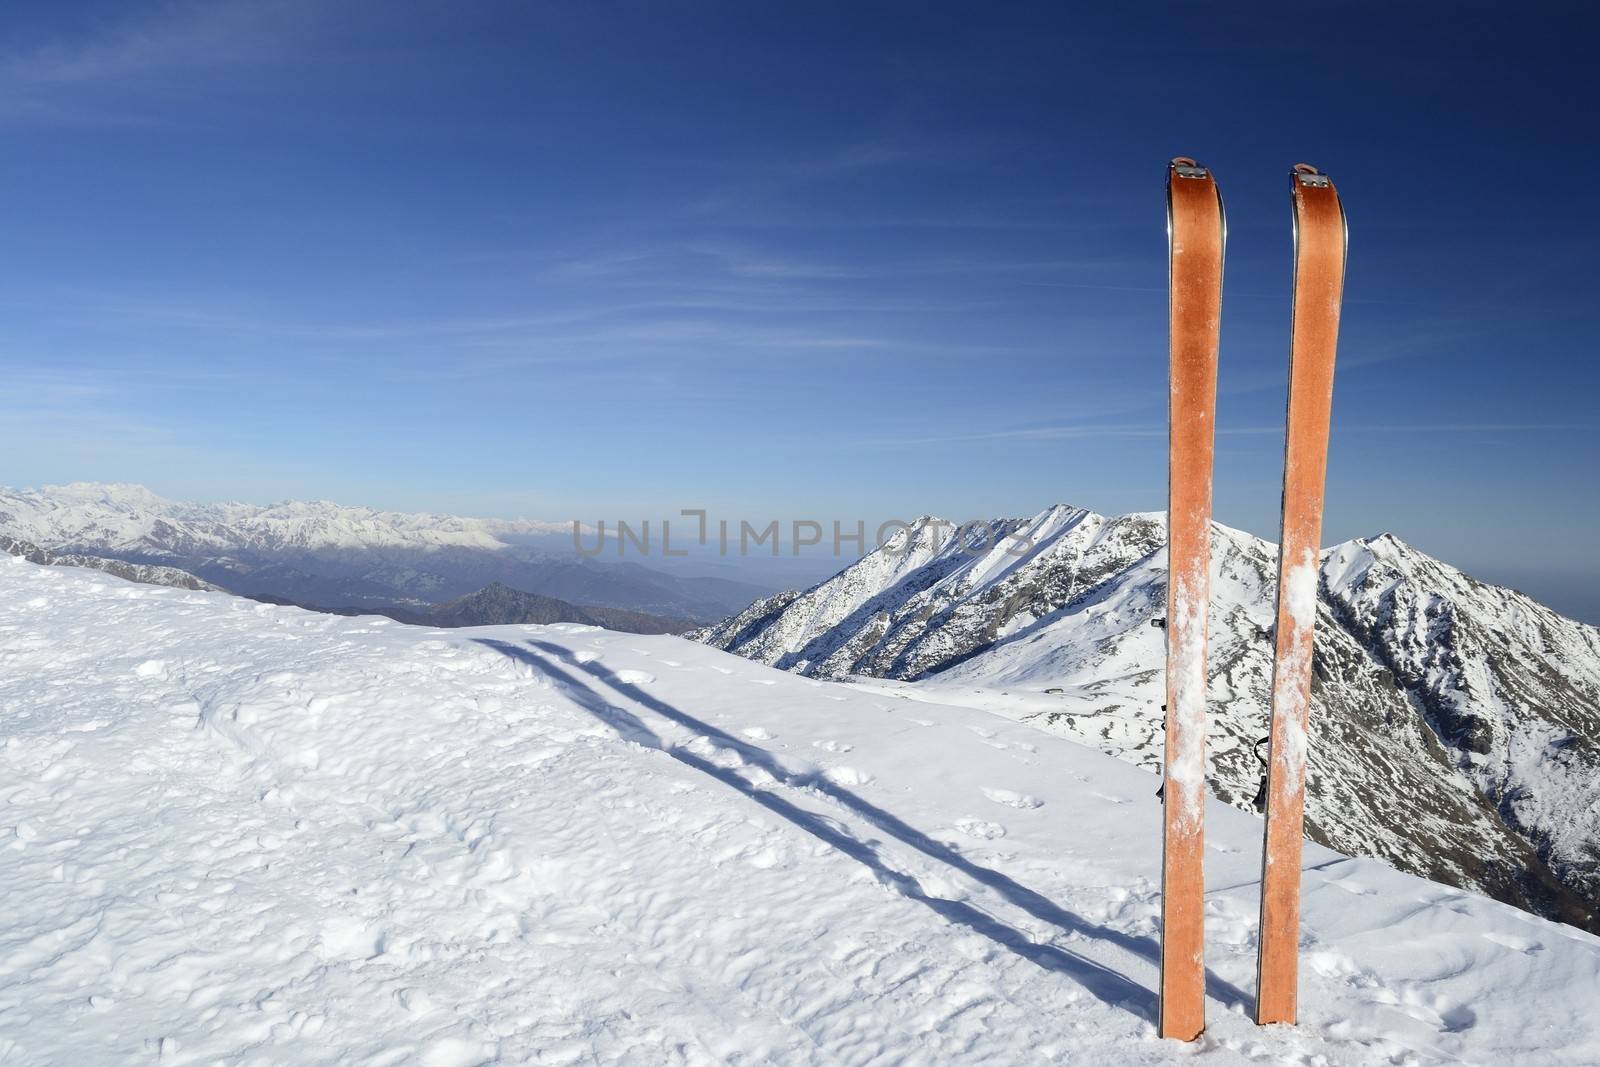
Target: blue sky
<point>792,260</point>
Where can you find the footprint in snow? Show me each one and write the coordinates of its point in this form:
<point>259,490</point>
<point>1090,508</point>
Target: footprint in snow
<point>720,670</point>
<point>756,733</point>
<point>764,859</point>
<point>456,1052</point>
<point>1525,945</point>
<point>1350,885</point>
<point>1451,1016</point>
<point>633,677</point>
<point>764,681</point>
<point>1012,799</point>
<point>982,829</point>
<point>847,776</point>
<point>348,938</point>
<point>585,656</point>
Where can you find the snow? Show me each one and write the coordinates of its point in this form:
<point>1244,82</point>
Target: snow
<point>1291,681</point>
<point>239,833</point>
<point>1187,627</point>
<point>1300,590</point>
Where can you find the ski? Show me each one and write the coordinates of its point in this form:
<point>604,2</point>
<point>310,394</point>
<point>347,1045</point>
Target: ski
<point>1319,260</point>
<point>1196,234</point>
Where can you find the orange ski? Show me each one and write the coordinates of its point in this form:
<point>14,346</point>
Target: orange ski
<point>1196,233</point>
<point>1319,228</point>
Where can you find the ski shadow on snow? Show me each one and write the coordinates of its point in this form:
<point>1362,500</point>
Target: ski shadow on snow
<point>1109,986</point>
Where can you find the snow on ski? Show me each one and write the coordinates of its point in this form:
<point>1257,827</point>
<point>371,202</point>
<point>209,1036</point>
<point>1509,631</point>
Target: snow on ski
<point>1319,228</point>
<point>1196,233</point>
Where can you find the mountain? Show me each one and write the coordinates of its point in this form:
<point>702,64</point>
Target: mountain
<point>498,604</point>
<point>242,833</point>
<point>1456,725</point>
<point>351,558</point>
<point>146,574</point>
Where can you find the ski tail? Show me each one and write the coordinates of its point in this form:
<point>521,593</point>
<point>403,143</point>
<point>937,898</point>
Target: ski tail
<point>1197,236</point>
<point>1319,258</point>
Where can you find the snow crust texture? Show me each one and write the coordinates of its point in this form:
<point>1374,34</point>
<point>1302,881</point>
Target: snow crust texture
<point>240,833</point>
<point>1453,726</point>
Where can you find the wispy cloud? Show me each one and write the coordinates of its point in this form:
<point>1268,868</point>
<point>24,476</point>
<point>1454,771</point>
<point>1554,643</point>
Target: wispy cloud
<point>1039,433</point>
<point>1466,427</point>
<point>90,78</point>
<point>683,261</point>
<point>695,317</point>
<point>1089,431</point>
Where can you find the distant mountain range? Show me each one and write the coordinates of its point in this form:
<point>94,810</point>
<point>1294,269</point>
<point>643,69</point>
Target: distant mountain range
<point>497,605</point>
<point>1456,725</point>
<point>342,558</point>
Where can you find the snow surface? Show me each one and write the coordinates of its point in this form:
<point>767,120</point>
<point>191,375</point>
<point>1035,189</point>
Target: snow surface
<point>240,833</point>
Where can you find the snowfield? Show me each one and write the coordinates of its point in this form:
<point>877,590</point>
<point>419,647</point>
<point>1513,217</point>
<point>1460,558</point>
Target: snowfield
<point>232,832</point>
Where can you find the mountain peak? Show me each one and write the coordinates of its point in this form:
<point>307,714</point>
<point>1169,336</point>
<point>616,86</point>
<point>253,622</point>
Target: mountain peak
<point>1390,549</point>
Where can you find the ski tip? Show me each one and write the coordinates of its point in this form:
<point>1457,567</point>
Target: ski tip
<point>1186,167</point>
<point>1309,176</point>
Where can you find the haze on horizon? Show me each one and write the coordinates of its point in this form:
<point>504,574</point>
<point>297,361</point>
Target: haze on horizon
<point>835,263</point>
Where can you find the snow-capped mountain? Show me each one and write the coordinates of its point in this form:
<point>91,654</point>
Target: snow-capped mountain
<point>1456,726</point>
<point>131,519</point>
<point>341,557</point>
<point>241,833</point>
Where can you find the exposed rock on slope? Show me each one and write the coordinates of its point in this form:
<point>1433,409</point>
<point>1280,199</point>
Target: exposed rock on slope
<point>148,574</point>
